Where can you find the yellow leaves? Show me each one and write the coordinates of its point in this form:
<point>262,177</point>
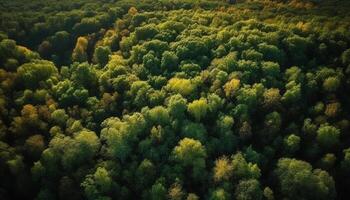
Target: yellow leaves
<point>107,39</point>
<point>231,87</point>
<point>23,50</point>
<point>82,42</point>
<point>301,5</point>
<point>304,26</point>
<point>198,108</point>
<point>223,169</point>
<point>30,113</point>
<point>79,52</point>
<point>190,152</point>
<point>116,60</point>
<point>175,192</point>
<point>272,97</point>
<point>132,11</point>
<point>332,109</point>
<point>182,86</point>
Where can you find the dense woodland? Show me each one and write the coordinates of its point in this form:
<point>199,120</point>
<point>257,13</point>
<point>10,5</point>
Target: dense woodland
<point>174,99</point>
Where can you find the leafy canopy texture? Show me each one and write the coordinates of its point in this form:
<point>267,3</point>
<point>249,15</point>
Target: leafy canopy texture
<point>179,100</point>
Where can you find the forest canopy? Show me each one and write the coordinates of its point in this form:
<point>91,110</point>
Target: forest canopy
<point>180,100</point>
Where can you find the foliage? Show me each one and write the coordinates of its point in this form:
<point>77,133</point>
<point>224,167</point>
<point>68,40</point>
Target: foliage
<point>174,99</point>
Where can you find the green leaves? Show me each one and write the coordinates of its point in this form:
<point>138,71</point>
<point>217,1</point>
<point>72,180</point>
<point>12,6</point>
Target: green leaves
<point>190,152</point>
<point>31,75</point>
<point>298,180</point>
<point>198,108</point>
<point>97,185</point>
<point>328,136</point>
<point>174,104</point>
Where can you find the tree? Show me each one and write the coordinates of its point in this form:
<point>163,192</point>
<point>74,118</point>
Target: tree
<point>169,61</point>
<point>248,190</point>
<point>328,136</point>
<point>250,95</point>
<point>146,32</point>
<point>190,152</point>
<point>219,194</point>
<point>195,131</point>
<point>327,161</point>
<point>151,63</point>
<point>292,143</point>
<point>86,25</point>
<point>59,117</point>
<point>270,70</point>
<point>297,179</point>
<point>120,135</point>
<point>158,191</point>
<point>242,169</point>
<point>292,94</point>
<point>297,47</point>
<point>81,149</point>
<point>157,116</point>
<point>198,108</point>
<point>268,194</point>
<point>36,72</point>
<point>346,57</point>
<point>272,97</point>
<point>84,74</point>
<point>333,109</point>
<point>231,87</point>
<point>34,145</point>
<point>185,87</point>
<point>69,94</point>
<point>273,122</point>
<point>98,185</point>
<point>223,169</point>
<point>60,42</point>
<point>145,174</point>
<point>192,196</point>
<point>79,53</point>
<point>331,84</point>
<point>101,55</point>
<point>345,163</point>
<point>175,192</point>
<point>177,105</point>
<point>252,54</point>
<point>140,91</point>
<point>245,131</point>
<point>271,53</point>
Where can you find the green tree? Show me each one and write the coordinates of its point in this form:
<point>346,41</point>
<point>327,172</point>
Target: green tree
<point>34,145</point>
<point>219,194</point>
<point>328,136</point>
<point>248,190</point>
<point>177,105</point>
<point>169,61</point>
<point>98,185</point>
<point>190,152</point>
<point>101,55</point>
<point>292,143</point>
<point>297,179</point>
<point>331,84</point>
<point>198,108</point>
<point>244,170</point>
<point>59,117</point>
<point>36,72</point>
